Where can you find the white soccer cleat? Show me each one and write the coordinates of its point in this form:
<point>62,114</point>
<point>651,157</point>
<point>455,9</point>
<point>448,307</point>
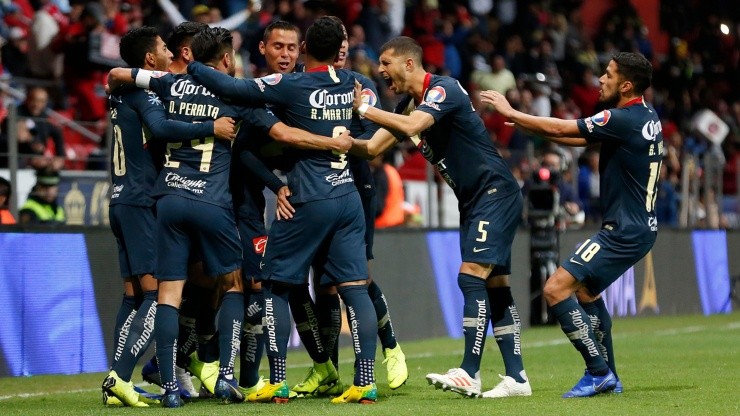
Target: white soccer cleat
<point>457,380</point>
<point>185,380</point>
<point>508,387</point>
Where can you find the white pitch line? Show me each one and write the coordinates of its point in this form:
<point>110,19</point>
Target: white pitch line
<point>538,344</point>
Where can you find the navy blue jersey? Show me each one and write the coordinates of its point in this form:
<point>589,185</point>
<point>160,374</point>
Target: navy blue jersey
<point>197,169</point>
<point>458,145</point>
<point>256,155</point>
<point>137,116</point>
<point>629,166</point>
<point>318,101</point>
<point>363,128</point>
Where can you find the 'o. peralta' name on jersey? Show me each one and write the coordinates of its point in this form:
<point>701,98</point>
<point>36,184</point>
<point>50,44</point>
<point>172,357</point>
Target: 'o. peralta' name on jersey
<point>184,87</point>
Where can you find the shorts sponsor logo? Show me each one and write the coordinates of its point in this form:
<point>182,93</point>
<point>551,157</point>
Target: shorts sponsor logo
<point>602,118</point>
<point>478,250</point>
<point>259,244</point>
<point>573,260</point>
<point>196,186</point>
<point>651,129</point>
<point>653,223</point>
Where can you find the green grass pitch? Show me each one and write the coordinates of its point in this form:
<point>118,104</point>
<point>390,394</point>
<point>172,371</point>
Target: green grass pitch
<point>677,365</point>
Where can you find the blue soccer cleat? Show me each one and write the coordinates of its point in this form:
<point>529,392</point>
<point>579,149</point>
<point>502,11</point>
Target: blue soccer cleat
<point>591,385</point>
<point>227,390</point>
<point>150,372</point>
<point>618,387</point>
<point>171,398</point>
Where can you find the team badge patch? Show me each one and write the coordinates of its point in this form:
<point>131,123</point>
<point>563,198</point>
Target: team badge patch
<point>272,79</point>
<point>158,74</point>
<point>436,95</point>
<point>368,97</point>
<point>602,118</point>
<point>259,244</point>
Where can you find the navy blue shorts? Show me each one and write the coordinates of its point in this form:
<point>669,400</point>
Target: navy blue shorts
<point>134,229</point>
<point>334,226</point>
<point>600,260</point>
<point>184,223</point>
<point>369,207</point>
<point>254,239</point>
<point>487,231</point>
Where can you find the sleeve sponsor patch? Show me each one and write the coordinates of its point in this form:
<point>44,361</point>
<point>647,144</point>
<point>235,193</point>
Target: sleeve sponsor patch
<point>158,74</point>
<point>436,95</point>
<point>368,97</point>
<point>601,118</point>
<point>272,79</point>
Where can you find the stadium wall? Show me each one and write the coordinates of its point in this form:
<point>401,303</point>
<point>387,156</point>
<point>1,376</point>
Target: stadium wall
<point>61,290</point>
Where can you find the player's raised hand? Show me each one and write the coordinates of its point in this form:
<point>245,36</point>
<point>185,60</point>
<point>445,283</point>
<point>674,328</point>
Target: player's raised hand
<point>497,100</point>
<point>224,128</point>
<point>284,210</point>
<point>342,143</point>
<point>358,95</point>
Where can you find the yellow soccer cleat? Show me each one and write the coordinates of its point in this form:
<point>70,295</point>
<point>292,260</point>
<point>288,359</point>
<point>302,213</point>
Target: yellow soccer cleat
<point>123,390</point>
<point>111,400</point>
<point>395,362</point>
<point>363,395</point>
<point>331,390</point>
<point>207,373</point>
<point>318,375</point>
<point>276,393</point>
<point>246,391</point>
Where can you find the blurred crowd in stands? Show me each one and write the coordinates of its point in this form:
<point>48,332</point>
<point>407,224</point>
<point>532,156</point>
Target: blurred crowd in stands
<point>537,52</point>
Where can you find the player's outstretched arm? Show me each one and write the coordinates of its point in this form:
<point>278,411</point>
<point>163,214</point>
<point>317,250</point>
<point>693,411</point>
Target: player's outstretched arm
<point>239,91</point>
<point>381,141</point>
<point>559,131</point>
<point>303,139</point>
<point>118,77</point>
<point>409,125</point>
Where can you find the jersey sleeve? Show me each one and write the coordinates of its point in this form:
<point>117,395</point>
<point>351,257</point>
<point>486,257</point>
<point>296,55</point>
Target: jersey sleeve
<point>154,116</point>
<point>255,166</point>
<point>442,99</point>
<point>259,117</point>
<point>369,96</point>
<point>605,125</point>
<point>250,92</point>
<point>156,81</point>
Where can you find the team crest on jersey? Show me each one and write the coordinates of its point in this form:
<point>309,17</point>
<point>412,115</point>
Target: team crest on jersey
<point>272,79</point>
<point>368,97</point>
<point>436,95</point>
<point>602,118</point>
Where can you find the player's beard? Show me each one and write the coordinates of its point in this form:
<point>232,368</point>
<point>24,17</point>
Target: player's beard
<point>610,100</point>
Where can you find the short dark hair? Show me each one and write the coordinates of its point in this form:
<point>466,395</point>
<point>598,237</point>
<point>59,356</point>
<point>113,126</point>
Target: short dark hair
<point>211,43</point>
<point>181,36</point>
<point>344,28</point>
<point>634,67</point>
<point>324,39</point>
<point>280,25</point>
<point>6,189</point>
<point>405,46</point>
<point>136,43</point>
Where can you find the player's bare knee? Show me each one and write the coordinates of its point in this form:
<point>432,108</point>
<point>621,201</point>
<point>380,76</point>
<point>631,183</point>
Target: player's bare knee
<point>498,281</point>
<point>480,270</point>
<point>230,282</point>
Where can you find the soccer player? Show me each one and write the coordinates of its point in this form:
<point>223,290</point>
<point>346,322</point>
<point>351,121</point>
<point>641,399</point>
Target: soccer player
<point>327,309</point>
<point>440,119</point>
<point>136,116</point>
<point>629,165</point>
<point>327,207</point>
<point>259,150</point>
